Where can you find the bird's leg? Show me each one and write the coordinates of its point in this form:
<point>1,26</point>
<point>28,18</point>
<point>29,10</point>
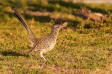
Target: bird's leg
<point>41,55</point>
<point>45,61</point>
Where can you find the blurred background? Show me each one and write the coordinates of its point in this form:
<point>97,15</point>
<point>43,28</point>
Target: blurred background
<point>92,1</point>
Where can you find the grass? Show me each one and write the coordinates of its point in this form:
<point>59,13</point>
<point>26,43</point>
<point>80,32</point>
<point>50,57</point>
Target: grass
<point>83,47</point>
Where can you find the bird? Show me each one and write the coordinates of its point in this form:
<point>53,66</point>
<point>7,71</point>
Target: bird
<point>45,43</point>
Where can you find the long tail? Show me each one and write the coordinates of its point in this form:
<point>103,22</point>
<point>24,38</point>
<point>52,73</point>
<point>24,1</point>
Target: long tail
<point>23,22</point>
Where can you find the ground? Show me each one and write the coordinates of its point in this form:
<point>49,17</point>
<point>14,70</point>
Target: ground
<point>83,47</point>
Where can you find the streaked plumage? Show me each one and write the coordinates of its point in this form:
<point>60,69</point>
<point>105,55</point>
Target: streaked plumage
<point>43,44</point>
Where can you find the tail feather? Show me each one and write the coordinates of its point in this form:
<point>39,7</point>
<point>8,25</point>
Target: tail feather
<point>23,22</point>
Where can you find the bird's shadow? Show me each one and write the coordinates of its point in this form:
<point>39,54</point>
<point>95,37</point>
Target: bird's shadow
<point>13,53</point>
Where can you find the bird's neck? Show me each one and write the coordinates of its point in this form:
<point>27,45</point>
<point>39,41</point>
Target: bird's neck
<point>54,33</point>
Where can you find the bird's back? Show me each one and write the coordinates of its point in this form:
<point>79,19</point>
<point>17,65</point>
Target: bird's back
<point>45,43</point>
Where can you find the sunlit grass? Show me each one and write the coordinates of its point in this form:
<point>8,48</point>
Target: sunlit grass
<point>82,45</point>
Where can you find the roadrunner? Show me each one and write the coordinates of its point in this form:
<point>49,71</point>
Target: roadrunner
<point>45,43</point>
